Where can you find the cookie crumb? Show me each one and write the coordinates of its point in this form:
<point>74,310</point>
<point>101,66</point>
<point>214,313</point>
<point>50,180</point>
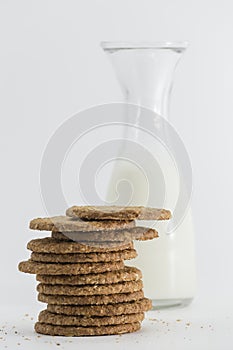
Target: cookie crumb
<point>188,324</point>
<point>178,320</point>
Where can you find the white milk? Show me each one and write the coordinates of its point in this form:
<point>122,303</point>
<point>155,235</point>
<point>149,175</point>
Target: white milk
<point>168,262</point>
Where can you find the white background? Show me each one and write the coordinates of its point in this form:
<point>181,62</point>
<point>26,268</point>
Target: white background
<point>51,66</point>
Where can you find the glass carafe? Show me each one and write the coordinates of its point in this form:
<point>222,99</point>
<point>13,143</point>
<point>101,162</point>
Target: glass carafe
<point>145,72</point>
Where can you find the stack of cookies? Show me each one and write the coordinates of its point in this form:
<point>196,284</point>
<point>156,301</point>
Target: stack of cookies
<point>81,272</point>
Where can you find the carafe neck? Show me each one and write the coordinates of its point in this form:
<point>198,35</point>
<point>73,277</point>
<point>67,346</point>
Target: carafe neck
<point>145,72</point>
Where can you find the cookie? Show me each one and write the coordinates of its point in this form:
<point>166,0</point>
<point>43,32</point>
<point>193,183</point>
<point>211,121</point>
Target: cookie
<point>120,308</point>
<point>51,245</point>
<point>118,213</point>
<point>90,299</point>
<point>101,289</point>
<point>70,236</point>
<point>126,235</point>
<point>68,269</point>
<point>64,320</point>
<point>128,273</point>
<point>71,331</point>
<point>67,224</point>
<point>126,254</point>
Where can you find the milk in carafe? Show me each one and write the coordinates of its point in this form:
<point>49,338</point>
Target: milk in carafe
<point>145,73</point>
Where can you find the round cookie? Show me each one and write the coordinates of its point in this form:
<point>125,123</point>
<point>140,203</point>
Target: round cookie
<point>90,299</point>
<point>101,289</point>
<point>126,254</point>
<point>118,213</point>
<point>51,245</point>
<point>68,269</point>
<point>64,320</point>
<point>127,235</point>
<point>70,236</point>
<point>67,224</point>
<point>123,308</point>
<point>128,273</point>
<point>70,331</point>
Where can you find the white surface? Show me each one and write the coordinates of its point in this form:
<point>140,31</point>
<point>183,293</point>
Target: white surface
<point>202,326</point>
